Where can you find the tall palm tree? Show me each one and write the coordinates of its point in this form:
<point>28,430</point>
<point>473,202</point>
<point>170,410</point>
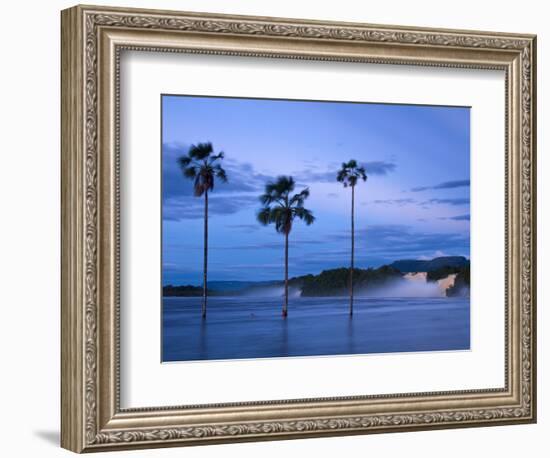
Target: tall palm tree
<point>280,208</point>
<point>203,166</point>
<point>350,174</point>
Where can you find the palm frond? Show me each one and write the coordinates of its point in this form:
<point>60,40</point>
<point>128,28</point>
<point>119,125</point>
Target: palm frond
<point>220,173</point>
<point>267,199</point>
<point>341,175</point>
<point>351,173</point>
<point>282,217</point>
<point>189,172</point>
<point>279,208</point>
<point>283,185</point>
<point>200,151</point>
<point>283,226</point>
<point>217,157</point>
<point>184,161</point>
<point>305,215</point>
<point>199,165</point>
<point>278,190</point>
<point>298,199</point>
<point>264,216</point>
<point>362,173</point>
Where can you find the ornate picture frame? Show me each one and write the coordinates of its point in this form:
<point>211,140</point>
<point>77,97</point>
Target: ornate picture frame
<point>92,41</point>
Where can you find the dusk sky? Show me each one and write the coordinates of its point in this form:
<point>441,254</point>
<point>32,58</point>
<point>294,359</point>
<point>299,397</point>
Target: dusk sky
<point>415,203</point>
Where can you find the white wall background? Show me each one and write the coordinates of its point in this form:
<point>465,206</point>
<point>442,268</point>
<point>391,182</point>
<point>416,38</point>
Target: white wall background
<point>29,231</point>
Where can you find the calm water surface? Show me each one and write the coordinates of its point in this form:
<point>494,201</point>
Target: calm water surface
<point>252,327</point>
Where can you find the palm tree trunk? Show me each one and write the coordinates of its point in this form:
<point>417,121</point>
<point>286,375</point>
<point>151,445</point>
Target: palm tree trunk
<point>285,305</point>
<point>352,251</point>
<point>205,269</point>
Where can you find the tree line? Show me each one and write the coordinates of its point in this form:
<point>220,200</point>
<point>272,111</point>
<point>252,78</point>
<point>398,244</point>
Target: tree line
<point>281,206</point>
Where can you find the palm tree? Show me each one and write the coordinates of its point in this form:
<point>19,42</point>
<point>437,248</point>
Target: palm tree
<point>280,208</point>
<point>203,166</point>
<point>349,175</point>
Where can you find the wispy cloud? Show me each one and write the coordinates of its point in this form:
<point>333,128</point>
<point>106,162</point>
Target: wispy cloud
<point>457,218</point>
<point>329,176</point>
<point>397,241</point>
<point>176,208</point>
<point>378,167</point>
<point>263,139</point>
<point>398,202</point>
<point>242,177</point>
<point>387,252</point>
<point>377,244</point>
<point>448,201</point>
<point>444,185</point>
<point>241,190</point>
<point>245,227</point>
<point>435,254</point>
<point>275,245</point>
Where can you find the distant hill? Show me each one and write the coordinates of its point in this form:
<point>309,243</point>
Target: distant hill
<point>335,282</point>
<point>415,265</point>
<point>182,290</point>
<point>217,288</point>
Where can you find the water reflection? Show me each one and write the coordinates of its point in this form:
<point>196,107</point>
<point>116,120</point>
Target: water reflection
<point>203,346</point>
<point>249,327</point>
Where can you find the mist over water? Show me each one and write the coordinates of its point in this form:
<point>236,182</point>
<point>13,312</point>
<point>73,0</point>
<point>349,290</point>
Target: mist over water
<point>404,288</point>
<point>409,286</point>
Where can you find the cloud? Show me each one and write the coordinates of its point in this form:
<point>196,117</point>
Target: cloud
<point>245,227</point>
<point>372,168</point>
<point>242,189</point>
<point>444,185</point>
<point>378,167</point>
<point>177,208</point>
<point>398,202</point>
<point>390,242</point>
<point>275,245</point>
<point>436,254</point>
<point>448,201</point>
<point>241,176</point>
<point>383,244</point>
<point>375,245</point>
<point>272,241</point>
<point>458,217</point>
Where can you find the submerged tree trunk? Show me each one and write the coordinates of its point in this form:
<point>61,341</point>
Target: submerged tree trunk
<point>205,269</point>
<point>285,305</point>
<point>352,251</point>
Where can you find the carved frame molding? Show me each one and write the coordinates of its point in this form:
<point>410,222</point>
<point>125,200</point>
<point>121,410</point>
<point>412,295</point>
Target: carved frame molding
<point>92,39</point>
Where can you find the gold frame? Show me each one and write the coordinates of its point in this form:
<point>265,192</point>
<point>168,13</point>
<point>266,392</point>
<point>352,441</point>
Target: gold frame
<point>92,39</point>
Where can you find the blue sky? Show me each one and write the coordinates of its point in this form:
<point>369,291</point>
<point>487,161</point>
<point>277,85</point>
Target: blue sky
<point>415,203</point>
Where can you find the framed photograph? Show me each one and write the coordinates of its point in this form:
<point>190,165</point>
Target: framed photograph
<point>278,228</point>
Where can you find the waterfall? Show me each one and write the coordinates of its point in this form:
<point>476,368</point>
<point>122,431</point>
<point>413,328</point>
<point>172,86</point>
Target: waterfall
<point>419,278</point>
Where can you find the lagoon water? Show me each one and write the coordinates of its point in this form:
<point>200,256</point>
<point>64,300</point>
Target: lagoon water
<point>252,327</point>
